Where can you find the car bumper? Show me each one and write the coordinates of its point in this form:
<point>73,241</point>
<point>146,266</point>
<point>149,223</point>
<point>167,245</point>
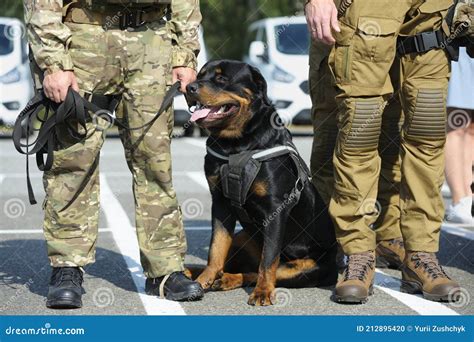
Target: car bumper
<point>13,98</point>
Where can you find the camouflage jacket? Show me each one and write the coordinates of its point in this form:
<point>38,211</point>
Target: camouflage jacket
<point>48,36</point>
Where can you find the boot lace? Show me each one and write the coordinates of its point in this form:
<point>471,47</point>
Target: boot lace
<point>67,274</point>
<point>358,266</point>
<point>430,264</point>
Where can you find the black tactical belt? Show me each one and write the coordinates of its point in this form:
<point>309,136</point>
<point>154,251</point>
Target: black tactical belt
<point>421,42</point>
<point>70,114</point>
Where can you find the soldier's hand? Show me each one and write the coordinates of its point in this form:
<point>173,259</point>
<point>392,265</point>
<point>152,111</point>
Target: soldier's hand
<point>185,76</point>
<point>56,84</point>
<point>321,16</point>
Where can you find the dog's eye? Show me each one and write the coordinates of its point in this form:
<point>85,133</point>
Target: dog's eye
<point>221,78</point>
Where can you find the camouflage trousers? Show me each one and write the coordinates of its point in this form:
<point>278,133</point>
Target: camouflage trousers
<point>137,65</point>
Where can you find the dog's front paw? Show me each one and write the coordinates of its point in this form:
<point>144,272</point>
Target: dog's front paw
<point>206,279</point>
<point>227,282</point>
<point>262,297</point>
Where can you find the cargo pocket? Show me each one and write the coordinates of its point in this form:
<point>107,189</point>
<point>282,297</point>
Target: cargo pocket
<point>373,50</point>
<point>340,57</point>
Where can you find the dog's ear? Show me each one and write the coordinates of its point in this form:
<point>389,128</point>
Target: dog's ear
<point>259,80</point>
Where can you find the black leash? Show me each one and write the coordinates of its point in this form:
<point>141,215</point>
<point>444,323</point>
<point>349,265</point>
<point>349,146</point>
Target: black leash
<point>71,113</point>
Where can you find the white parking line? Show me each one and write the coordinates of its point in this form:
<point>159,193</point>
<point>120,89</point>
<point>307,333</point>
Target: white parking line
<point>199,178</point>
<point>195,142</point>
<point>126,240</point>
<point>37,231</point>
<point>391,286</point>
<point>458,231</point>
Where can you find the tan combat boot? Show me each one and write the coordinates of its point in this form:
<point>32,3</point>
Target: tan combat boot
<point>357,280</point>
<point>422,273</point>
<point>390,253</point>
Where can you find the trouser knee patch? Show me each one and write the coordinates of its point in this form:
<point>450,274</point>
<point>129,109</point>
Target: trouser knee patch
<point>365,128</point>
<point>429,119</point>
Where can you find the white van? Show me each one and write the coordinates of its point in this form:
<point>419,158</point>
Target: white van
<point>182,116</point>
<point>16,85</point>
<point>279,47</point>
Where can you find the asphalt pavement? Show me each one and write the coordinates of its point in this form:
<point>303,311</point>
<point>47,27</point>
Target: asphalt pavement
<point>114,283</point>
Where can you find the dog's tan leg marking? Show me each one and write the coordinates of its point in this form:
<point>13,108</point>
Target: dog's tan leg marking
<point>263,294</point>
<point>230,281</point>
<point>220,245</point>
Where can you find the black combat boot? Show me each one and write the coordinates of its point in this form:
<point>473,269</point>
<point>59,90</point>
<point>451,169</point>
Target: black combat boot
<point>65,288</point>
<point>175,286</point>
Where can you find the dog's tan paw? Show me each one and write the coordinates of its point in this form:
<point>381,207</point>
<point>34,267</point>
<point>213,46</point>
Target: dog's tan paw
<point>206,279</point>
<point>261,297</point>
<point>227,282</point>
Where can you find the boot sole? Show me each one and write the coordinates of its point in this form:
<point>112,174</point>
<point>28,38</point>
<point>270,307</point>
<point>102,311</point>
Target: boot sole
<point>411,287</point>
<point>63,304</point>
<point>354,299</point>
<point>187,296</point>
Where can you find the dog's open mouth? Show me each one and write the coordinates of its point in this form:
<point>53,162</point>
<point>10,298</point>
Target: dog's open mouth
<point>211,113</point>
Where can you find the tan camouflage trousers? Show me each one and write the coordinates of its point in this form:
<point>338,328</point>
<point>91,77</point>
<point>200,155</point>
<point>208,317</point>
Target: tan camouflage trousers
<point>136,64</point>
<point>324,117</point>
<point>364,52</point>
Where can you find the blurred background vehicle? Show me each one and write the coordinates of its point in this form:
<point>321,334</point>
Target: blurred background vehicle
<point>279,48</point>
<point>183,126</point>
<point>16,84</point>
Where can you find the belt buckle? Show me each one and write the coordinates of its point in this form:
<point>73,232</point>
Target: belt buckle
<point>133,19</point>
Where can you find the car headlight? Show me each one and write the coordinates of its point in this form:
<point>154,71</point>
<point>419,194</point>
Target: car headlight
<point>282,76</point>
<point>11,76</point>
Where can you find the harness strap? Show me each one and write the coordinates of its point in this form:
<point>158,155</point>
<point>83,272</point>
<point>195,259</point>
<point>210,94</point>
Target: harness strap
<point>70,114</point>
<point>421,42</point>
<point>241,169</point>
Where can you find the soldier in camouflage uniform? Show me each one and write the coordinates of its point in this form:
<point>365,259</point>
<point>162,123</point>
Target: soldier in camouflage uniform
<point>134,49</point>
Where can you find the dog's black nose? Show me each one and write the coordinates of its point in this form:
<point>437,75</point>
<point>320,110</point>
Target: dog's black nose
<point>192,88</point>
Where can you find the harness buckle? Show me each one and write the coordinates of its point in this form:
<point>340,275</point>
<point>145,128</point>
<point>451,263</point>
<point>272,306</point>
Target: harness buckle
<point>133,19</point>
<point>426,41</point>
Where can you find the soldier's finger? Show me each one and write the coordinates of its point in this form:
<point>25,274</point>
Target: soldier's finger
<point>318,30</point>
<point>62,94</point>
<point>57,96</point>
<point>335,21</point>
<point>74,84</point>
<point>326,32</point>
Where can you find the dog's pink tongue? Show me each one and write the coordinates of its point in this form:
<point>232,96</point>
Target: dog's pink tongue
<point>200,113</point>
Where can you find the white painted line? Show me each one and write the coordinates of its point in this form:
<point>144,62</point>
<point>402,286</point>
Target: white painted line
<point>458,231</point>
<point>391,286</point>
<point>195,142</point>
<point>199,178</point>
<point>108,174</point>
<point>2,177</point>
<point>126,240</point>
<point>38,231</point>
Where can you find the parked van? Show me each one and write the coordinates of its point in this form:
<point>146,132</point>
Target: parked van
<point>279,47</point>
<point>16,85</point>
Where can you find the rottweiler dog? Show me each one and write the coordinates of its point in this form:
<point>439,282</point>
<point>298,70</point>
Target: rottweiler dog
<point>285,244</point>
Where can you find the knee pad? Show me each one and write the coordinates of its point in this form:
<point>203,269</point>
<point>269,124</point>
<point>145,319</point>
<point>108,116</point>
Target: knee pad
<point>428,119</point>
<point>365,126</point>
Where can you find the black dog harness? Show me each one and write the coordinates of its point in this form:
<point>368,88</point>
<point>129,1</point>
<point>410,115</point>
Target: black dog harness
<point>70,114</point>
<point>241,169</point>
